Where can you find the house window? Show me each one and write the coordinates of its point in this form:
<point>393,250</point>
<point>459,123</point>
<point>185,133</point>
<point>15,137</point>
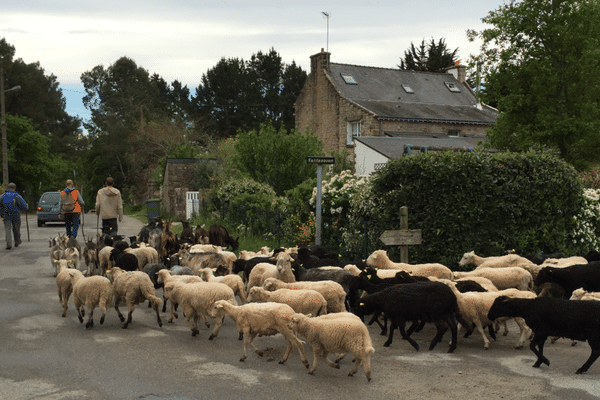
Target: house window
<point>452,87</point>
<point>407,88</point>
<point>453,132</point>
<point>349,79</point>
<point>353,129</point>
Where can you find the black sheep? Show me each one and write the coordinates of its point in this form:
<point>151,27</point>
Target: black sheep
<point>430,301</point>
<point>125,261</point>
<point>218,236</point>
<point>546,316</point>
<point>586,276</point>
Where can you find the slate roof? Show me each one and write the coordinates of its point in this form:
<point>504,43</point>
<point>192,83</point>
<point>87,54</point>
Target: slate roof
<point>393,147</point>
<point>379,91</point>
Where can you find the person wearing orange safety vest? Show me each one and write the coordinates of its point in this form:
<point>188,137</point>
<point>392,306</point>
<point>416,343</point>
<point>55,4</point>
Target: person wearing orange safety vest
<point>71,217</point>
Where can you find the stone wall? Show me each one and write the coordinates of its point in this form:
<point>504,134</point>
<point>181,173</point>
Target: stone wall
<point>178,179</point>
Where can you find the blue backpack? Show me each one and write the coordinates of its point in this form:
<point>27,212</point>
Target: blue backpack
<point>9,201</point>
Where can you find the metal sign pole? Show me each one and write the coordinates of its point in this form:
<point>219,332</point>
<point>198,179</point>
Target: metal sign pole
<point>319,161</point>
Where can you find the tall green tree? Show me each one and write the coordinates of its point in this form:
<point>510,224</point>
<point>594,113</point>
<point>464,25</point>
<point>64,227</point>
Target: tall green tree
<point>428,57</point>
<point>540,64</point>
<point>240,95</point>
<point>41,100</point>
<point>275,156</point>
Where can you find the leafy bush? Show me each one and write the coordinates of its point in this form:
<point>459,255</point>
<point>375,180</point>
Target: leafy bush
<point>474,201</point>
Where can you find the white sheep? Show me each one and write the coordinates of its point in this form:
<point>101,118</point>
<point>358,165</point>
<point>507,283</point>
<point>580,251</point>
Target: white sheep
<point>229,258</point>
<point>145,255</point>
<point>474,308</point>
<point>64,285</point>
<point>502,278</point>
<point>164,277</point>
<point>509,260</point>
<point>197,300</point>
<point>380,260</point>
<point>134,287</point>
<point>332,291</point>
<point>353,269</point>
<point>264,319</point>
<point>301,301</point>
<point>60,265</point>
<point>92,291</point>
<point>104,260</point>
<point>234,281</point>
<point>581,294</point>
<point>338,334</point>
<point>262,271</point>
<point>484,282</point>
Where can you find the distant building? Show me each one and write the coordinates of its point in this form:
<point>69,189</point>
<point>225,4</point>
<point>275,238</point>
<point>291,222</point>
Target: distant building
<point>379,110</point>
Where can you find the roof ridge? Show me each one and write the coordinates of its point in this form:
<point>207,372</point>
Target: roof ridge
<point>392,69</point>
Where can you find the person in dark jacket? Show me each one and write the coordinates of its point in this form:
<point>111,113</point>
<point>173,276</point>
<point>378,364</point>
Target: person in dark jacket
<point>11,205</point>
<point>71,217</point>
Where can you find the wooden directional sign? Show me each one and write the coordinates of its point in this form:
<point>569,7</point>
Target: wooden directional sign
<point>401,237</point>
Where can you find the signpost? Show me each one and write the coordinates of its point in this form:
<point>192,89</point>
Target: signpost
<point>319,161</point>
<point>403,237</point>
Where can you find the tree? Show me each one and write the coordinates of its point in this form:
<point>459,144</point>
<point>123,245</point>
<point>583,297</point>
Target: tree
<point>540,66</point>
<point>240,95</point>
<point>41,100</point>
<point>431,57</point>
<point>275,156</point>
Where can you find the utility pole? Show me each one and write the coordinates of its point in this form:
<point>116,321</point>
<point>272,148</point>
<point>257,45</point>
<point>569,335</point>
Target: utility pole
<point>4,145</point>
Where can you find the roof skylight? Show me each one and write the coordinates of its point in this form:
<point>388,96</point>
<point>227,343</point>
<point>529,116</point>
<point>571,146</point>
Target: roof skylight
<point>407,88</point>
<point>349,79</point>
<point>452,87</point>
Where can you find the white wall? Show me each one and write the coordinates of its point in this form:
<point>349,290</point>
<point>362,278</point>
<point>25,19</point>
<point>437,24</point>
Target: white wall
<point>366,158</point>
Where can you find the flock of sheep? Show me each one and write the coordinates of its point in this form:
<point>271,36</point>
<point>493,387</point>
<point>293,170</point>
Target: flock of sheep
<point>308,293</point>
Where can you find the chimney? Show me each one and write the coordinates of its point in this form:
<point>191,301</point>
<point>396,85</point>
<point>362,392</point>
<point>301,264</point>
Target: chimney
<point>458,71</point>
<point>319,61</point>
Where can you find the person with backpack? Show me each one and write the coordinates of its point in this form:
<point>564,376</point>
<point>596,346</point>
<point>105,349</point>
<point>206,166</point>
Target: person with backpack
<point>11,205</point>
<point>70,205</point>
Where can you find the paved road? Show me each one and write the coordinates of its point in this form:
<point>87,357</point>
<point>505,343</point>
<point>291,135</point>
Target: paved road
<point>45,356</point>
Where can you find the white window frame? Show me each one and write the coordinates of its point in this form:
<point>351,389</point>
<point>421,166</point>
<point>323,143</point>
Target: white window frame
<point>353,129</point>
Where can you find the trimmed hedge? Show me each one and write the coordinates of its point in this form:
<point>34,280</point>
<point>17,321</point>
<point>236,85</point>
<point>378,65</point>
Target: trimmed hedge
<point>476,201</point>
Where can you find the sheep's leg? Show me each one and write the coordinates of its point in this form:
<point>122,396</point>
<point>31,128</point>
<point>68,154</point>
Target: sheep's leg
<point>292,338</point>
<point>524,332</point>
<point>164,309</point>
<point>117,302</point>
<point>537,346</point>
<point>595,345</point>
<point>357,363</point>
<point>158,320</point>
<point>451,323</point>
<point>192,322</point>
<point>90,322</point>
<point>339,357</point>
<point>248,338</point>
<point>367,367</point>
<point>79,314</point>
<point>217,328</point>
<point>393,326</point>
<point>129,318</point>
<point>413,327</point>
<point>486,341</point>
<point>173,313</point>
<point>316,353</point>
<point>441,329</point>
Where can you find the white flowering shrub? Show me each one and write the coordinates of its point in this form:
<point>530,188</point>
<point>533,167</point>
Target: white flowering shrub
<point>343,195</point>
<point>586,236</point>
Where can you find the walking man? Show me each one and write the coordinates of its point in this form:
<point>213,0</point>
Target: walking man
<point>71,205</point>
<point>11,205</point>
<point>109,207</point>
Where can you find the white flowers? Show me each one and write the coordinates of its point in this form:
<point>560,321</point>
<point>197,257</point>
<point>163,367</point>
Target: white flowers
<point>587,223</point>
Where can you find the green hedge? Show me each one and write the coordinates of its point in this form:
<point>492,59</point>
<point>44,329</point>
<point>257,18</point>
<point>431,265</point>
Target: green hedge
<point>476,201</point>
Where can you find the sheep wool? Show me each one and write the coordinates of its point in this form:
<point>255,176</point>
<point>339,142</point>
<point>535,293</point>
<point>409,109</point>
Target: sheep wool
<point>380,259</point>
<point>338,334</point>
<point>65,287</point>
<point>133,287</point>
<point>302,301</point>
<point>332,291</point>
<point>91,292</point>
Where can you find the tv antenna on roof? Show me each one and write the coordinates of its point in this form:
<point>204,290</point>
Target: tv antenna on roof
<point>327,14</point>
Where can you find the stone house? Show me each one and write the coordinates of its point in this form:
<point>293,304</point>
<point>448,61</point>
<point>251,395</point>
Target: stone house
<point>341,103</point>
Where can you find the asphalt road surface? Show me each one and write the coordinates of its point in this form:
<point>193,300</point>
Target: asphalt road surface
<point>45,356</point>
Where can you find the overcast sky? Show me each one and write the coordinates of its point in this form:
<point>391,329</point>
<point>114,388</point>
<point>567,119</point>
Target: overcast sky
<point>182,39</point>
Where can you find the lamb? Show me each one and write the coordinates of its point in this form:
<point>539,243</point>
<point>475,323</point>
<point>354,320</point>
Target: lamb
<point>93,291</point>
<point>282,271</point>
<point>474,307</point>
<point>233,281</point>
<point>104,259</point>
<point>197,300</point>
<point>163,277</point>
<point>65,287</point>
<point>502,278</point>
<point>546,316</point>
<point>134,287</point>
<point>509,260</point>
<point>429,301</point>
<point>302,301</point>
<point>343,334</point>
<point>586,276</point>
<point>264,319</point>
<point>581,294</point>
<point>380,259</point>
<point>332,291</point>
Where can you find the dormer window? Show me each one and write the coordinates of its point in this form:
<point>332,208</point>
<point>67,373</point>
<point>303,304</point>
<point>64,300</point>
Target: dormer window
<point>407,88</point>
<point>349,79</point>
<point>452,87</point>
